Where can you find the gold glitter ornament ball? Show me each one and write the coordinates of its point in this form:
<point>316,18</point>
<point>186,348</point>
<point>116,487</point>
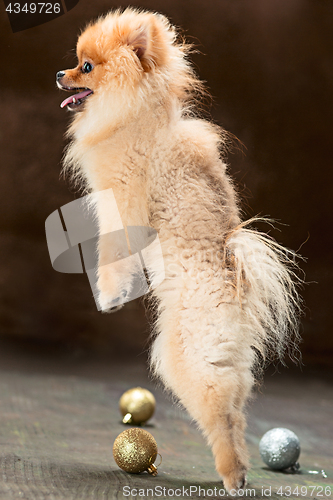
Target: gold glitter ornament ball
<point>137,405</point>
<point>135,450</point>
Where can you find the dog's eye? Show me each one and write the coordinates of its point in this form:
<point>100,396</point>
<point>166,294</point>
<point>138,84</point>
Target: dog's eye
<point>87,67</point>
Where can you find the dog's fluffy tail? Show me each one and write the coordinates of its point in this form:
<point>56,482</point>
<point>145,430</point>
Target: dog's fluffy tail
<point>261,274</point>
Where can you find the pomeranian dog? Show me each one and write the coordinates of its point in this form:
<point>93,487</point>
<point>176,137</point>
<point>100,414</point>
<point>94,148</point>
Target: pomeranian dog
<point>228,299</point>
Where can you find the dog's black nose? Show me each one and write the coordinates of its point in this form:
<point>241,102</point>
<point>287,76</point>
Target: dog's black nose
<point>60,74</point>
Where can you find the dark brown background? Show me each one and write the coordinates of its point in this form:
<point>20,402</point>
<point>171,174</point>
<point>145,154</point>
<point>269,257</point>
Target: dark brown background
<point>268,65</point>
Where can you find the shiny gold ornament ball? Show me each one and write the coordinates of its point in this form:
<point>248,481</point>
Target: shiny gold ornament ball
<point>137,406</point>
<point>135,450</point>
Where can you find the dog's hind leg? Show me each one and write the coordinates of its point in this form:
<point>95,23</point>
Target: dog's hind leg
<point>226,435</point>
<point>201,355</point>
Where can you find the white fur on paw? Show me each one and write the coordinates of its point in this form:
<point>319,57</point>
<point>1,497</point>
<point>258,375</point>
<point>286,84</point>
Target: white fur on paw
<point>110,305</point>
<point>235,483</point>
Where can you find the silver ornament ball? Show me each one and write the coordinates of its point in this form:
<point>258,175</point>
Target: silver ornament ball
<point>279,448</point>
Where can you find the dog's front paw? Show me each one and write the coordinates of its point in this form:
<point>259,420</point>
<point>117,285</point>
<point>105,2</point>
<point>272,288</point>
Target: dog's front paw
<point>110,305</point>
<point>114,289</point>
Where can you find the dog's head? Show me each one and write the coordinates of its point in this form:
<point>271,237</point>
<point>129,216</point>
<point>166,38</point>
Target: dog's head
<point>121,57</point>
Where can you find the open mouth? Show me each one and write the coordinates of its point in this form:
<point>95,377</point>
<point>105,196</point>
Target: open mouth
<point>74,101</point>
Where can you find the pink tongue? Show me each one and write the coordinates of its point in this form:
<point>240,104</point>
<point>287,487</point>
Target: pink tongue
<point>70,99</point>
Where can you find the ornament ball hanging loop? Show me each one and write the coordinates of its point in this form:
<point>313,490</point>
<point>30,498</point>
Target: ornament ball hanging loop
<point>127,418</point>
<point>152,469</point>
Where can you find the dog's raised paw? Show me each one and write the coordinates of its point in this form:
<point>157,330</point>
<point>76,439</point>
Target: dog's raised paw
<point>114,305</point>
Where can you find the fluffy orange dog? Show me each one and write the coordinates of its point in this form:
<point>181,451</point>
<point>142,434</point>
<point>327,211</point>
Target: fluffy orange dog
<point>228,298</point>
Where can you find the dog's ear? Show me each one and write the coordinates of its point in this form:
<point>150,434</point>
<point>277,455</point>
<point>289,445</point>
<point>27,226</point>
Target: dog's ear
<point>150,43</point>
<point>138,41</point>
